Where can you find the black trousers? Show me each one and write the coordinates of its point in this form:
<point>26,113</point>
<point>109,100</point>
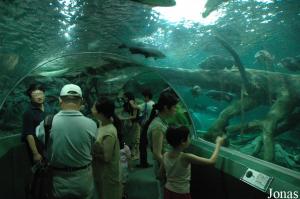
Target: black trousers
<point>143,146</point>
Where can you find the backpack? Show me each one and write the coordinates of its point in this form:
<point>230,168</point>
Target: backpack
<point>41,185</point>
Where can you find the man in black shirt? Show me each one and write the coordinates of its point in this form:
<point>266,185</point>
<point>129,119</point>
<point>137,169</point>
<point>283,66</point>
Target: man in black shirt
<point>31,119</point>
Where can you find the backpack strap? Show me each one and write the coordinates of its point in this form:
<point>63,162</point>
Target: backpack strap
<point>47,126</point>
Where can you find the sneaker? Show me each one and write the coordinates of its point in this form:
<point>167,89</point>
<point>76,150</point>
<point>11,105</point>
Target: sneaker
<point>143,165</point>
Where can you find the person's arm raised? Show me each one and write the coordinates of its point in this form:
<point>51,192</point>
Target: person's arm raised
<point>194,159</point>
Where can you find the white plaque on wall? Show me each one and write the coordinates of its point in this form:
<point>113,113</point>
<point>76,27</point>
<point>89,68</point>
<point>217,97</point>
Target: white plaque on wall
<point>257,179</point>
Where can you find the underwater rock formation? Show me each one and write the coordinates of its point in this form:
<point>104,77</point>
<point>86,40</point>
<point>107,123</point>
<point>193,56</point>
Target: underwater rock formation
<point>285,92</point>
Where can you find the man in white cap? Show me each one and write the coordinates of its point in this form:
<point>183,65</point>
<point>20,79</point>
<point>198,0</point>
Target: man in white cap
<point>71,138</point>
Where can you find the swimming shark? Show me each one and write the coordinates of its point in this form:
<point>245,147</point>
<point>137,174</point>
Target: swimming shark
<point>53,73</point>
<point>212,5</point>
<point>146,51</point>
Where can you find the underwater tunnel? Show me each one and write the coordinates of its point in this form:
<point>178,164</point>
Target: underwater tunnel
<point>235,69</point>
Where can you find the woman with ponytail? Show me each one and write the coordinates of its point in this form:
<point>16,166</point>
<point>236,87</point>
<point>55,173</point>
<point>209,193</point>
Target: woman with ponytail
<point>161,112</point>
<point>106,151</point>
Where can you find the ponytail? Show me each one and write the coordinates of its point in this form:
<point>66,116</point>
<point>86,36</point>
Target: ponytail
<point>166,98</point>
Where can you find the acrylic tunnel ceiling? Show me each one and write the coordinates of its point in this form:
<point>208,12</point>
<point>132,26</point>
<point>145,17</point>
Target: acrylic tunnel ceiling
<point>92,33</point>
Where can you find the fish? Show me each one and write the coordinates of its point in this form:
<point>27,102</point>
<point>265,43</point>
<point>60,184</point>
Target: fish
<point>159,3</point>
<point>220,95</point>
<point>265,58</point>
<point>216,62</point>
<point>196,91</point>
<point>290,63</point>
<point>53,73</point>
<point>118,78</point>
<point>212,5</point>
<point>145,51</point>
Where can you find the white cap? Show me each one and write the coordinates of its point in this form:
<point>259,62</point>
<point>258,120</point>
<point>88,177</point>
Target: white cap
<point>71,90</point>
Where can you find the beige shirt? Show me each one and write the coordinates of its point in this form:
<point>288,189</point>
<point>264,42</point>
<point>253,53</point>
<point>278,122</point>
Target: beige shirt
<point>158,124</point>
<point>178,176</point>
<point>108,171</point>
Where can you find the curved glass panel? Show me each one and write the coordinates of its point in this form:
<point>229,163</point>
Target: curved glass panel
<point>152,80</point>
<point>98,74</point>
<point>102,44</point>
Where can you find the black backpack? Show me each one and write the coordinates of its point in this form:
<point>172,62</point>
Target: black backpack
<point>41,185</point>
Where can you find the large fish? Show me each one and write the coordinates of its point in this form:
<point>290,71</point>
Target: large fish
<point>291,63</point>
<point>212,5</point>
<point>147,52</point>
<point>265,58</point>
<point>54,73</point>
<point>161,3</point>
<point>196,91</point>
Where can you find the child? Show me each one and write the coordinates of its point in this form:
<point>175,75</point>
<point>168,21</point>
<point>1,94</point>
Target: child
<point>177,164</point>
<point>125,156</point>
